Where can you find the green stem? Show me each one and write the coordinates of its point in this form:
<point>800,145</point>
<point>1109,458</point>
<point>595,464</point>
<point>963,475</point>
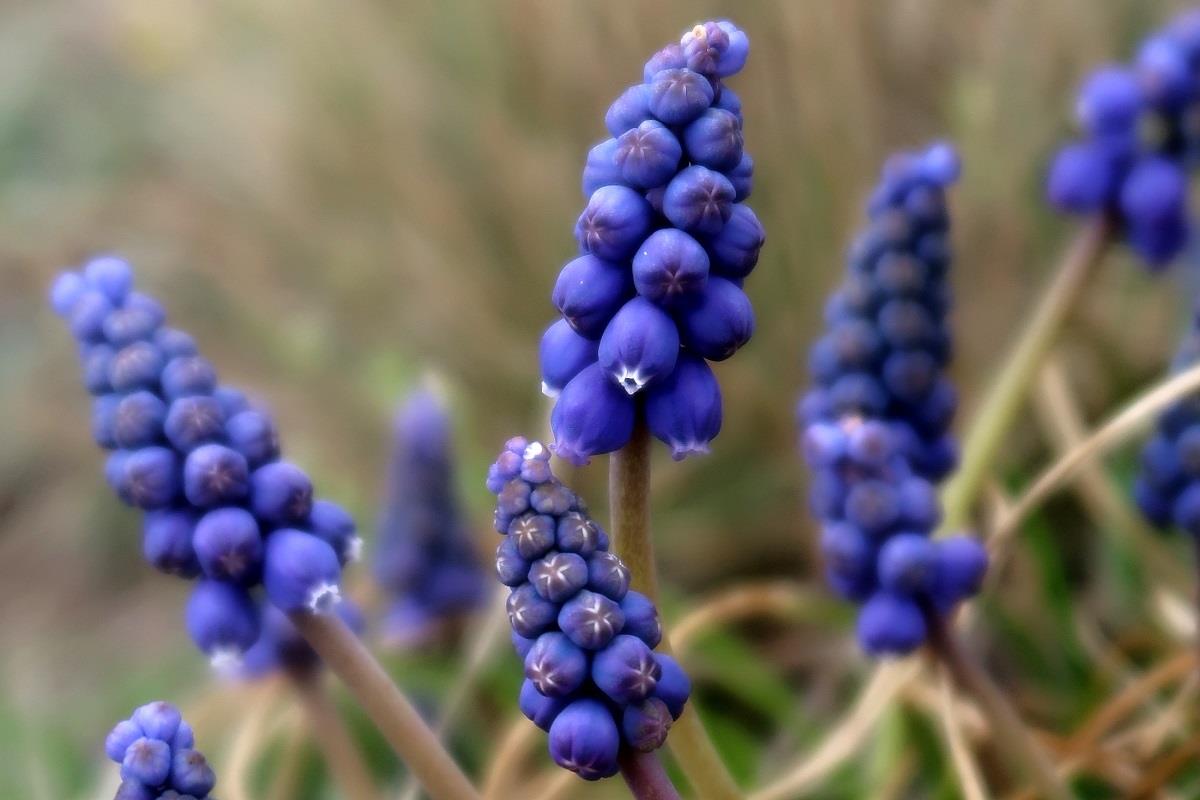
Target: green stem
<point>342,756</point>
<point>1007,730</point>
<point>412,740</point>
<point>629,506</point>
<point>994,419</point>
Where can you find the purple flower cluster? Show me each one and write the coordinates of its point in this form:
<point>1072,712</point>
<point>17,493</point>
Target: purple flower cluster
<point>1167,488</point>
<point>425,559</point>
<point>877,422</point>
<point>154,749</point>
<point>666,242</point>
<point>203,464</point>
<point>1140,136</point>
<point>592,678</point>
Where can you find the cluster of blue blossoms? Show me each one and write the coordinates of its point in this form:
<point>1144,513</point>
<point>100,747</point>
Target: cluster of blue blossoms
<point>592,678</point>
<point>1140,136</point>
<point>1167,488</point>
<point>425,559</point>
<point>203,464</point>
<point>154,749</point>
<point>666,242</point>
<point>877,422</point>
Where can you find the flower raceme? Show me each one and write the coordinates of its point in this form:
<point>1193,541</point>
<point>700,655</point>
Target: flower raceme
<point>203,464</point>
<point>666,242</point>
<point>155,750</point>
<point>1139,138</point>
<point>425,559</point>
<point>877,422</point>
<point>592,678</point>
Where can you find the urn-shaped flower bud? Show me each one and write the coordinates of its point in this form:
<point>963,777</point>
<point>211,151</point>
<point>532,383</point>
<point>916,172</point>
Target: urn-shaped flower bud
<point>718,322</point>
<point>670,268</point>
<point>588,293</point>
<point>301,572</point>
<point>640,345</point>
<point>626,670</point>
<point>584,739</point>
<point>678,96</point>
<point>593,415</point>
<point>590,620</point>
<point>699,200</point>
<point>734,251</point>
<point>684,410</point>
<point>222,620</point>
<point>648,155</point>
<point>563,354</point>
<point>714,140</point>
<point>555,665</point>
<point>629,110</point>
<point>614,223</point>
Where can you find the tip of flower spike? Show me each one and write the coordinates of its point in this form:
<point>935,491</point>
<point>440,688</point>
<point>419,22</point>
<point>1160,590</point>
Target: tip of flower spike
<point>681,450</point>
<point>534,450</point>
<point>324,597</point>
<point>226,662</point>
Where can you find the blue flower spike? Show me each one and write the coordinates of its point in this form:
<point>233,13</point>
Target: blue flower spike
<point>666,243</point>
<point>155,750</point>
<point>592,678</point>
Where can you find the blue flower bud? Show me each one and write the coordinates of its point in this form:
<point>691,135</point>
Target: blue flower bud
<point>910,374</point>
<point>529,614</point>
<point>589,291</point>
<point>111,275</point>
<point>731,60</point>
<point>1160,243</point>
<point>673,687</point>
<point>639,346</point>
<point>670,57</point>
<point>608,575</point>
<point>222,620</point>
<point>714,140</point>
<point>626,670</point>
<point>188,375</point>
<point>301,572</point>
<point>959,566</point>
<point>135,366</point>
<point>601,168</point>
<point>138,420</point>
<point>191,774</point>
<point>232,401</point>
<point>1164,73</point>
<point>592,416</point>
<point>147,761</point>
<point>741,178</point>
<point>555,665</point>
<point>890,624</point>
<point>558,576</point>
<point>522,644</point>
<point>214,475</point>
<point>229,546</point>
<point>174,343</point>
<point>590,620</point>
<point>645,725</point>
<point>184,739</point>
<point>65,291</point>
<point>684,410</point>
<point>699,200</point>
<point>280,494</point>
<point>1154,193</point>
<point>563,354</point>
<point>718,322</point>
<point>334,525</point>
<point>641,618</point>
<point>648,155</point>
<point>511,568</point>
<point>96,360</point>
<point>733,252</point>
<point>824,444</point>
<point>584,739</point>
<point>513,499</point>
<point>540,709</point>
<point>87,315</point>
<point>193,421</point>
<point>670,267</point>
<point>253,434</point>
<point>551,498</point>
<point>135,790</point>
<point>873,506</point>
<point>1186,509</point>
<point>1082,179</point>
<point>1109,102</point>
<point>123,734</point>
<point>906,563</point>
<point>149,478</point>
<point>128,325</point>
<point>615,221</point>
<point>167,542</point>
<point>158,720</point>
<point>678,96</point>
<point>629,110</point>
<point>104,420</point>
<point>533,535</point>
<point>919,508</point>
<point>576,533</point>
<point>703,46</point>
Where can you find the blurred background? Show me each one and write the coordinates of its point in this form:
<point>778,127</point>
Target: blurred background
<point>337,199</point>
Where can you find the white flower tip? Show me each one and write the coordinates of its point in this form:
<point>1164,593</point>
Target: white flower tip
<point>549,390</point>
<point>354,549</point>
<point>226,661</point>
<point>324,597</point>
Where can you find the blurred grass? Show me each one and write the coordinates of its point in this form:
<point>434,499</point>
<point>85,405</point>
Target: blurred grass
<point>336,199</point>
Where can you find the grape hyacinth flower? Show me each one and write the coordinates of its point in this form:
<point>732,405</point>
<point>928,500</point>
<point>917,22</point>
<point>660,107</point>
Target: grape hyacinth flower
<point>666,242</point>
<point>876,425</point>
<point>1139,139</point>
<point>592,678</point>
<point>155,749</point>
<point>203,464</point>
<point>425,560</point>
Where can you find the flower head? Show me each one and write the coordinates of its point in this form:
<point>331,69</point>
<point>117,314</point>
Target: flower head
<point>155,750</point>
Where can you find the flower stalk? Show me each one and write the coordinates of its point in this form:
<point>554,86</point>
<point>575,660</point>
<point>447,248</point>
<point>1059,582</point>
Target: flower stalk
<point>342,756</point>
<point>629,506</point>
<point>395,717</point>
<point>645,776</point>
